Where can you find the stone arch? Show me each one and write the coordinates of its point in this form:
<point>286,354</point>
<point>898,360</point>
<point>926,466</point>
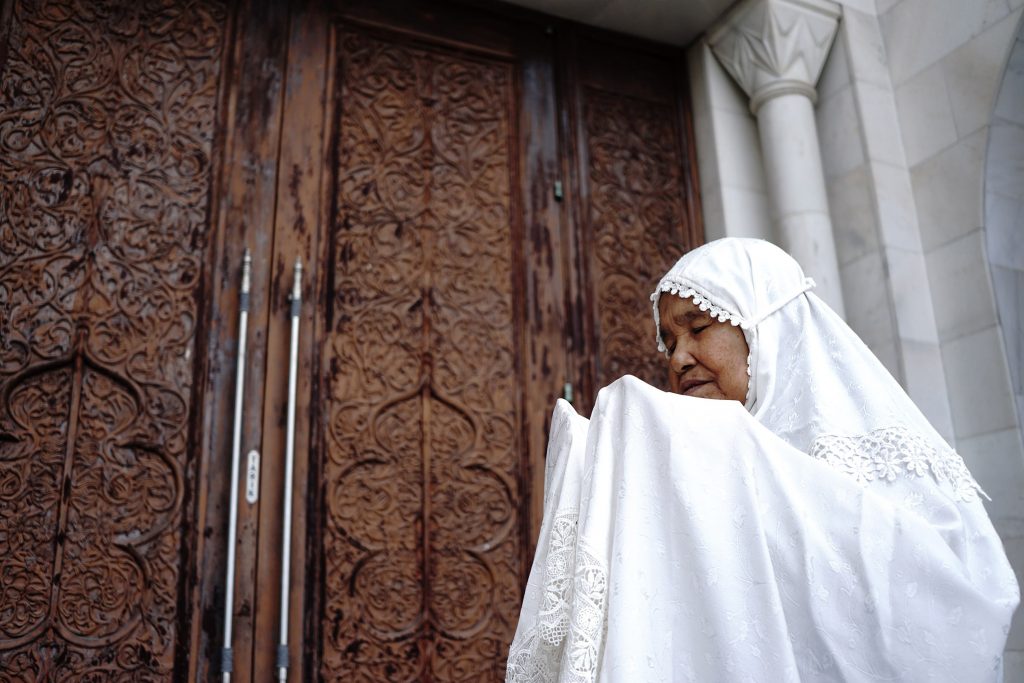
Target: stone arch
<point>1004,214</point>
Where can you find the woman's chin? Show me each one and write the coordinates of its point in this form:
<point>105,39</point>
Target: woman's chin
<point>709,390</point>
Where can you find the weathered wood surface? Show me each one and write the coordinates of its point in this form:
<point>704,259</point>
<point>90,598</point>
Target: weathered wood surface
<point>108,115</point>
<point>407,153</point>
<point>246,196</point>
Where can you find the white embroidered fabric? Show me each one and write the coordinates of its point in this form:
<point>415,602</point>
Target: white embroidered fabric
<point>886,454</point>
<point>671,552</point>
<point>568,586</point>
<point>825,533</point>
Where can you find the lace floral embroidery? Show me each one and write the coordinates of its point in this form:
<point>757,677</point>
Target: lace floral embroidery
<point>571,622</point>
<point>703,303</point>
<point>885,454</point>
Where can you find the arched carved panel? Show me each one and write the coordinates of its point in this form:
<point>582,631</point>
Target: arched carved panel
<point>637,217</point>
<point>107,116</point>
<point>421,458</point>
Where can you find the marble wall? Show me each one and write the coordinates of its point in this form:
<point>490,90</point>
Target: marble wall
<point>877,235</point>
<point>947,60</point>
<point>734,194</point>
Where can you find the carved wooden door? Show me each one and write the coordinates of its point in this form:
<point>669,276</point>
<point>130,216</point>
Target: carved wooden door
<point>482,242</point>
<point>107,121</point>
<point>632,165</point>
<point>482,198</point>
<point>436,348</point>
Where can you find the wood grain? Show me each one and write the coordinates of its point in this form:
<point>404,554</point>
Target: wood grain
<point>407,153</point>
<point>107,118</point>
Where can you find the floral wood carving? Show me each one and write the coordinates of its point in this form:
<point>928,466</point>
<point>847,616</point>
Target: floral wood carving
<point>420,463</point>
<point>106,121</point>
<point>637,216</point>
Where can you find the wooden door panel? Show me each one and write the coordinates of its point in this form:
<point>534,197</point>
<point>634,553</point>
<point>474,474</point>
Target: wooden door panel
<point>422,452</point>
<point>410,161</point>
<point>636,208</point>
<point>639,209</point>
<point>107,118</point>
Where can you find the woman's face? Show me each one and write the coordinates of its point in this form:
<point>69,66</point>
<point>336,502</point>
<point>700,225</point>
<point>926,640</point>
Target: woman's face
<point>706,358</point>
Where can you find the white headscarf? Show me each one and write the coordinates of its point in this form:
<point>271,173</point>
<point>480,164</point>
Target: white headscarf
<point>813,382</point>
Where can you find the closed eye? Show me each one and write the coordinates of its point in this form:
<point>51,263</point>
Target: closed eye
<point>698,330</point>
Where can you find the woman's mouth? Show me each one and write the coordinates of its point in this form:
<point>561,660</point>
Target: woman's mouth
<point>687,386</point>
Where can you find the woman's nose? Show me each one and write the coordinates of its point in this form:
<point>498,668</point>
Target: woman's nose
<point>681,359</point>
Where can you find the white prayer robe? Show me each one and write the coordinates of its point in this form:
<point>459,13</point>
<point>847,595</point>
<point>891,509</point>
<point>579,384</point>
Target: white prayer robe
<point>683,541</point>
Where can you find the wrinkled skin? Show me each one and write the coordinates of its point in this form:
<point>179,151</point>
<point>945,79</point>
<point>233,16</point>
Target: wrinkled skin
<point>706,358</point>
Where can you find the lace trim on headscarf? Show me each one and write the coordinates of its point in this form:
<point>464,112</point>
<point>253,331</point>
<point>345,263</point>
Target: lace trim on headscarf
<point>572,620</point>
<point>721,313</point>
<point>891,452</point>
<point>704,304</point>
<point>702,301</point>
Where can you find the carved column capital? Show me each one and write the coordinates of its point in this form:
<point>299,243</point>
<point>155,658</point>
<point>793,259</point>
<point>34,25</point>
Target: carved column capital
<point>776,47</point>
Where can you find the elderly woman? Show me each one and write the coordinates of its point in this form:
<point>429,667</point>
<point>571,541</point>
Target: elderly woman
<point>820,531</point>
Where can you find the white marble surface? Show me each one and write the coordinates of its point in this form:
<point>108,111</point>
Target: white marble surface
<point>866,6</point>
<point>1004,223</point>
<point>865,46</point>
<point>775,47</point>
<point>735,137</point>
<point>1005,173</point>
<point>778,70</point>
<point>853,217</point>
<point>868,311</point>
<point>1004,215</point>
<point>835,75</point>
<point>839,132</point>
<point>972,73</point>
<point>925,382</point>
<point>1009,286</point>
<point>913,306</point>
<point>986,456</point>
<point>1013,660</point>
<point>792,157</point>
<point>747,214</point>
<point>961,288</point>
<point>979,386</point>
<point>1014,671</point>
<point>948,191</point>
<point>919,33</point>
<point>1010,104</point>
<point>897,213</point>
<point>877,109</point>
<point>733,193</point>
<point>796,188</point>
<point>926,115</point>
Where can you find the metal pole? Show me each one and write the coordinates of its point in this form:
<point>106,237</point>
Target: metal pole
<point>289,458</point>
<point>226,659</point>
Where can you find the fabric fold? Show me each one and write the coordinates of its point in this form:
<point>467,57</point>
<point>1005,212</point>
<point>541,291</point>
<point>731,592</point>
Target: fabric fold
<point>683,541</point>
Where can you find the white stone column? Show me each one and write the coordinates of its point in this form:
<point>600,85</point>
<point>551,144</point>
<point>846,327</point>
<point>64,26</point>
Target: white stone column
<point>775,49</point>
